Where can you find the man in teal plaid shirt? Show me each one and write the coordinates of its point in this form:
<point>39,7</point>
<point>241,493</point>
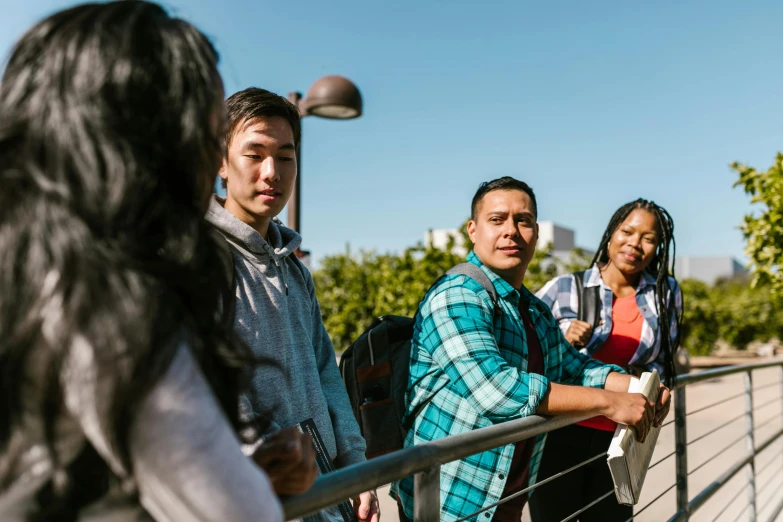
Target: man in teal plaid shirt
<point>472,367</point>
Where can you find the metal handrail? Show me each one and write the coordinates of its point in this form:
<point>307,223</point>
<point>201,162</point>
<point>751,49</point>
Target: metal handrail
<point>347,482</point>
<point>424,460</point>
<point>707,375</point>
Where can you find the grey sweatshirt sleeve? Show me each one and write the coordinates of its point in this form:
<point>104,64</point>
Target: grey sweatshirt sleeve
<point>348,438</point>
<point>187,460</point>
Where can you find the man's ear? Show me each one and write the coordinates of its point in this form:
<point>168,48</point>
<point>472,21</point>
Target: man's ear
<point>472,231</point>
<point>223,173</point>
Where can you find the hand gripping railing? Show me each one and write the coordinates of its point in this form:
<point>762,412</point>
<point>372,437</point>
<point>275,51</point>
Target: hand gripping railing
<point>424,461</point>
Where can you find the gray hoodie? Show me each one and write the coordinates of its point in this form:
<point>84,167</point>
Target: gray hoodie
<point>278,316</point>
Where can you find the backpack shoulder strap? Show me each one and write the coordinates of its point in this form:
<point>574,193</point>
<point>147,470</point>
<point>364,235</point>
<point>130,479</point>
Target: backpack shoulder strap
<point>472,271</point>
<point>227,265</point>
<point>589,300</point>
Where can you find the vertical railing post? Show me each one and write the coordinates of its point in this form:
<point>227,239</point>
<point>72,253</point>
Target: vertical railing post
<point>426,495</point>
<point>750,444</point>
<point>681,452</point>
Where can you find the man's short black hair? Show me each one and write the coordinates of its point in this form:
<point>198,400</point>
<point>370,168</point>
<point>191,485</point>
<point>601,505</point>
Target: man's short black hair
<point>253,103</point>
<point>504,183</point>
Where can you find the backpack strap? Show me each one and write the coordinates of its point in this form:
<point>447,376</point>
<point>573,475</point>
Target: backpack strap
<point>228,302</point>
<point>474,272</point>
<point>589,300</point>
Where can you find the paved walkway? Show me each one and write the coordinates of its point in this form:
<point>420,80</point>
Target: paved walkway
<point>710,456</point>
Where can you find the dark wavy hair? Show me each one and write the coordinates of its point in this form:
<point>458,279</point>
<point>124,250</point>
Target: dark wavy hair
<point>661,267</point>
<point>110,139</point>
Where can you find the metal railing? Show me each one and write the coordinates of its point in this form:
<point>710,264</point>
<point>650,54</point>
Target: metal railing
<point>424,461</point>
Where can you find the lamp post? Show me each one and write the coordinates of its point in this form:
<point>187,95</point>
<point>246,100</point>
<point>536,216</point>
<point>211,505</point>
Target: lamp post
<point>332,97</point>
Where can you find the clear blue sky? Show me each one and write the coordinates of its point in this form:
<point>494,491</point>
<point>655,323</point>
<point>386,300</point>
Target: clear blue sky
<point>592,103</point>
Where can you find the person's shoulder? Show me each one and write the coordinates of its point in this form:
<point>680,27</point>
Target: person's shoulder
<point>454,289</point>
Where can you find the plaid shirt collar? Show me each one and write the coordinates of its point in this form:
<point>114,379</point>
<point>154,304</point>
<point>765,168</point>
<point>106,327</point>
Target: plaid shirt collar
<point>503,287</point>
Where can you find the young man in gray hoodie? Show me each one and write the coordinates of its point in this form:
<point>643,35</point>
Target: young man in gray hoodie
<point>277,312</point>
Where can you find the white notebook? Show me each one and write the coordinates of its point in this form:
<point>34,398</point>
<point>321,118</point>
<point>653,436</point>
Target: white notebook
<point>629,459</point>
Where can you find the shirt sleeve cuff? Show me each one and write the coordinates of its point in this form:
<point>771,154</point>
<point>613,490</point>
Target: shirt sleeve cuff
<point>596,377</point>
<point>538,385</point>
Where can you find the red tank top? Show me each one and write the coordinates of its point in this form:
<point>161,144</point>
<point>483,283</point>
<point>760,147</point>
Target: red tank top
<point>619,347</point>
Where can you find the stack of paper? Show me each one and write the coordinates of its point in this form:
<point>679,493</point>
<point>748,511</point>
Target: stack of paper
<point>628,458</point>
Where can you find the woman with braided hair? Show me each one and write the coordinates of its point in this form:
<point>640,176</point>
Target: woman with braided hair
<point>640,312</point>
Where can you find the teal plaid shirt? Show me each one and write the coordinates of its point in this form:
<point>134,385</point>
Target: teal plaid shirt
<point>473,365</point>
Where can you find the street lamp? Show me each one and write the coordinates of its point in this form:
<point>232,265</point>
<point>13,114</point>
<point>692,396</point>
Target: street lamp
<point>332,97</point>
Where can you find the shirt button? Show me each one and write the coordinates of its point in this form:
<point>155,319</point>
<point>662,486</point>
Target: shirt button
<point>487,514</point>
<point>502,476</point>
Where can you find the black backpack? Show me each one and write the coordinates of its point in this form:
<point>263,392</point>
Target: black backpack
<point>589,301</point>
<point>375,370</point>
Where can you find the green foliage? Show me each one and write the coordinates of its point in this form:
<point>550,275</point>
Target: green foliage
<point>699,328</point>
<point>355,289</point>
<point>764,231</point>
<point>731,311</point>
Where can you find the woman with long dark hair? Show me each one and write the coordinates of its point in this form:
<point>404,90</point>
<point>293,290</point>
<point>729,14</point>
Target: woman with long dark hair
<point>118,380</point>
<point>640,307</point>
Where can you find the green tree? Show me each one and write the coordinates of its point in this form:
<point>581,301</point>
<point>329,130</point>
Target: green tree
<point>732,311</point>
<point>699,326</point>
<point>764,231</point>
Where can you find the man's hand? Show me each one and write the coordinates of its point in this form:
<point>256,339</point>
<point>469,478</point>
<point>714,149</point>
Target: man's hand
<point>579,333</point>
<point>662,406</point>
<point>633,409</point>
<point>288,457</point>
<point>366,506</point>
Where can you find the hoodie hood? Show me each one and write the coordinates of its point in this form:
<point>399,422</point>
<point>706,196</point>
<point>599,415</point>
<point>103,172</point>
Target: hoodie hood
<point>282,241</point>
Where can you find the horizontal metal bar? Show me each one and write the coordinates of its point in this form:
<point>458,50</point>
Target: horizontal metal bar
<point>344,483</point>
<point>720,402</point>
<point>742,512</point>
<point>721,481</point>
<point>727,423</point>
<point>673,453</point>
<point>766,466</point>
<point>766,422</point>
<point>770,385</point>
<point>765,404</point>
<point>693,378</point>
<point>739,492</point>
<point>763,488</point>
<point>775,512</point>
<point>718,454</point>
<point>588,506</point>
<point>653,501</point>
<point>534,486</point>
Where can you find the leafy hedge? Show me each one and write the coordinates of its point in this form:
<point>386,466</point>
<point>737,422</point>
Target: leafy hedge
<point>731,311</point>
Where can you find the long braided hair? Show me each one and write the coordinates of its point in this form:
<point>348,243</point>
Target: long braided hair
<point>659,268</point>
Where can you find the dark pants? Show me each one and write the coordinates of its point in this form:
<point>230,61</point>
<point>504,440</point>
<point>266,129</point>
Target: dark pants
<point>568,494</point>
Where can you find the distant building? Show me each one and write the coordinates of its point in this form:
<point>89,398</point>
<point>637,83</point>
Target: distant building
<point>708,269</point>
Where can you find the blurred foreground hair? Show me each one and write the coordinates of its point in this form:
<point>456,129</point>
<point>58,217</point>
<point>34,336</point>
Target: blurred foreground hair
<point>110,138</point>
